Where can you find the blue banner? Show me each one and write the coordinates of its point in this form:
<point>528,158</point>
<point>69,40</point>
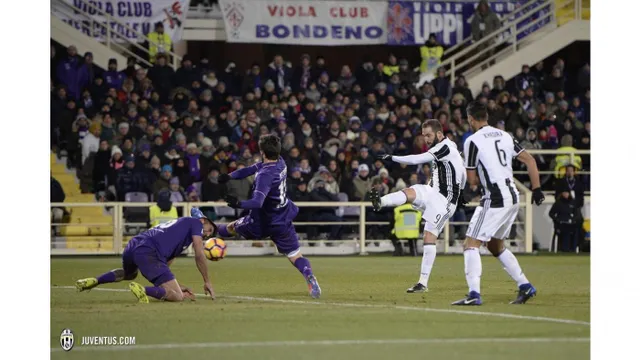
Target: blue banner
<point>411,22</point>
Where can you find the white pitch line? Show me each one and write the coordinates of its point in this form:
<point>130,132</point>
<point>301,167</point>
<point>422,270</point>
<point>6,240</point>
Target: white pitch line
<point>409,308</point>
<point>323,343</point>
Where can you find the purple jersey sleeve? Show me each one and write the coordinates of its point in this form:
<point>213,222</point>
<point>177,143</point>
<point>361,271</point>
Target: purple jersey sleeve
<point>245,172</point>
<point>196,228</point>
<point>260,192</point>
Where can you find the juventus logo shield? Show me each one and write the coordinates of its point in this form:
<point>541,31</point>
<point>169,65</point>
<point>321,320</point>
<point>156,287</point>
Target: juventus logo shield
<point>66,339</point>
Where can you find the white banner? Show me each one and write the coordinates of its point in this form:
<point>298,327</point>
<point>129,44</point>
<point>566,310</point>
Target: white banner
<point>305,22</point>
<point>138,15</point>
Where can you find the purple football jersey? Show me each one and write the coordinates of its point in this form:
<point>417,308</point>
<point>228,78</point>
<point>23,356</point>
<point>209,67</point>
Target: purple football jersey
<point>271,181</point>
<point>173,237</point>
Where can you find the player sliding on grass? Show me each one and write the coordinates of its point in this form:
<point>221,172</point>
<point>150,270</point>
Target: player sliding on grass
<point>271,213</point>
<point>438,200</point>
<point>152,252</point>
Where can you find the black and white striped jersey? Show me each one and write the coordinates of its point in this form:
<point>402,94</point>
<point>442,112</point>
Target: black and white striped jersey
<point>448,175</point>
<point>490,151</point>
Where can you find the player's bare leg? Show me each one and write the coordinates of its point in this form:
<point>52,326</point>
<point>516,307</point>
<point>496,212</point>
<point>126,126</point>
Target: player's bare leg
<point>115,275</point>
<point>397,198</point>
<point>304,266</point>
<point>510,264</point>
<point>168,291</point>
<point>428,258</point>
<point>473,271</point>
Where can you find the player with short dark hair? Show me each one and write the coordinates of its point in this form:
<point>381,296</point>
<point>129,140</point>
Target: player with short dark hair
<point>488,157</point>
<point>152,252</point>
<point>438,200</point>
<point>271,213</point>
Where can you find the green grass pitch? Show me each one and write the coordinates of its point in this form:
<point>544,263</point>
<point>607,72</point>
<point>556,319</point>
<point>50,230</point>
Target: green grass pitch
<point>262,311</point>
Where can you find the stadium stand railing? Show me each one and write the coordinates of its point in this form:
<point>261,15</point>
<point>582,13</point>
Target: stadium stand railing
<point>101,22</point>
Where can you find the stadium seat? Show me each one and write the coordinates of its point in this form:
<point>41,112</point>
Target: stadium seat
<point>136,214</point>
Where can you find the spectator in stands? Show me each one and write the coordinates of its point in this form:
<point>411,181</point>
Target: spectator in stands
<point>163,181</point>
<point>442,84</point>
<point>177,192</point>
<point>89,71</point>
<point>128,179</point>
<point>101,164</point>
<point>564,160</point>
<point>555,82</point>
<point>431,53</point>
<point>91,141</point>
<point>279,73</point>
<point>161,75</point>
<point>484,23</point>
<point>186,74</point>
<point>324,214</point>
<point>69,73</point>
<point>163,211</point>
<point>361,183</point>
<point>112,77</point>
<point>159,42</point>
<point>584,78</point>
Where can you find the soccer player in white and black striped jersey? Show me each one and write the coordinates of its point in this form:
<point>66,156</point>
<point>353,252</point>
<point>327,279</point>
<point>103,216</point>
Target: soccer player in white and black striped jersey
<point>438,200</point>
<point>488,156</point>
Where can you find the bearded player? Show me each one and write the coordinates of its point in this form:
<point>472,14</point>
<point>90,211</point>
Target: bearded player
<point>152,252</point>
<point>271,213</point>
<point>438,200</point>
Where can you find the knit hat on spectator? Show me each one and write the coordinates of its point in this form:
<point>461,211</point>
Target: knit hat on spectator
<point>223,141</point>
<point>192,146</point>
<point>123,125</point>
<point>145,147</point>
<point>95,126</point>
<point>130,158</point>
<point>167,168</point>
<point>174,181</point>
<point>323,169</point>
<point>363,167</point>
<point>114,150</point>
<point>113,61</point>
<point>207,142</point>
<point>383,171</point>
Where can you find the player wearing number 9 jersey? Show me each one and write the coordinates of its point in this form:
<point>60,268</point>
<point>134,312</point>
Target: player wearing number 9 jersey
<point>488,156</point>
<point>271,213</point>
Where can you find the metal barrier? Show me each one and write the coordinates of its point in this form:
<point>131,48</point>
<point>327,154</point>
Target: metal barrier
<point>111,237</point>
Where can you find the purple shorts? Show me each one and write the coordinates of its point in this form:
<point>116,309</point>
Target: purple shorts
<point>284,236</point>
<point>140,255</point>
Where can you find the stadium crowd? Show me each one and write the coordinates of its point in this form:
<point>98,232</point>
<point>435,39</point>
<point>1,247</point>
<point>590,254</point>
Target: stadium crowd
<point>146,130</point>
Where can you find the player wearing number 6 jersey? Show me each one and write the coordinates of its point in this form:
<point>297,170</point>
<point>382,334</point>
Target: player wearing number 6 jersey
<point>438,200</point>
<point>271,213</point>
<point>488,156</point>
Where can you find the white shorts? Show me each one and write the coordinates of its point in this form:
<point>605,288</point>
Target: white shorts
<point>488,223</point>
<point>436,210</point>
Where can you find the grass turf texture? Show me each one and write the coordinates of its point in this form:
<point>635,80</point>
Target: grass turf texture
<point>233,327</point>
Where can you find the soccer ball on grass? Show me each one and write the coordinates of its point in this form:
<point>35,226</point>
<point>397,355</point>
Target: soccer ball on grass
<point>215,249</point>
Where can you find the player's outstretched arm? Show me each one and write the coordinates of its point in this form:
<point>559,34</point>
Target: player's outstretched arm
<point>245,172</point>
<point>532,168</point>
<point>201,264</point>
<point>409,159</point>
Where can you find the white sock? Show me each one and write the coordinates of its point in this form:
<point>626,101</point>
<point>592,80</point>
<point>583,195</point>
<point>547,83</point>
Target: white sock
<point>512,267</point>
<point>428,258</point>
<point>473,268</point>
<point>394,199</point>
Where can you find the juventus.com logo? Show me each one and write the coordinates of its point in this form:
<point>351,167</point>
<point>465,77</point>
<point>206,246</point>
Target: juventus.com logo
<point>66,339</point>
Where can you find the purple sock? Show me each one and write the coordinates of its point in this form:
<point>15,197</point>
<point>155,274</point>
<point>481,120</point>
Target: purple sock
<point>222,231</point>
<point>304,266</point>
<point>107,277</point>
<point>156,292</point>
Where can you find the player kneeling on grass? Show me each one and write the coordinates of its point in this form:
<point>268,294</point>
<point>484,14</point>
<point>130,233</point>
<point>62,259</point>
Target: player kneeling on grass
<point>438,200</point>
<point>152,252</point>
<point>271,213</point>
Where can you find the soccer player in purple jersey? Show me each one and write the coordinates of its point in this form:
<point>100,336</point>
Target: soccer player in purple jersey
<point>271,213</point>
<point>152,252</point>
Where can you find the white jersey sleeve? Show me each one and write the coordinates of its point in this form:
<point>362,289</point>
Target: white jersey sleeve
<point>470,154</point>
